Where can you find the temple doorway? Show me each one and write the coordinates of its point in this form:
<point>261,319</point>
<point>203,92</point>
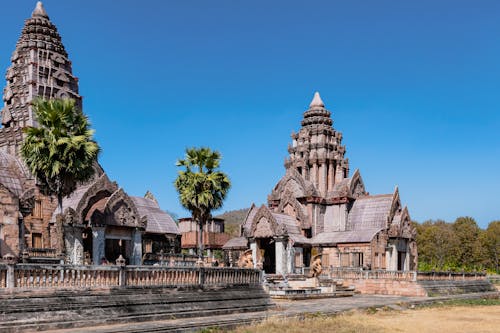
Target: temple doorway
<point>267,249</point>
<point>401,261</point>
<point>87,247</point>
<point>115,248</point>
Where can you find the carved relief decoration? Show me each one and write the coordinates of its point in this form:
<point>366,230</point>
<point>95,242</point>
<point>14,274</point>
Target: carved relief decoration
<point>265,225</point>
<point>27,201</point>
<point>356,185</point>
<point>295,183</point>
<point>100,189</point>
<point>121,211</point>
<point>288,199</point>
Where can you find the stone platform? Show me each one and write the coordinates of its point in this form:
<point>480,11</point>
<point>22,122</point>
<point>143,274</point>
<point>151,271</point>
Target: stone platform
<point>283,309</point>
<point>40,310</point>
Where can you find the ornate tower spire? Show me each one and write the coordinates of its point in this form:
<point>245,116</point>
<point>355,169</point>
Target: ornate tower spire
<point>316,151</point>
<point>40,68</point>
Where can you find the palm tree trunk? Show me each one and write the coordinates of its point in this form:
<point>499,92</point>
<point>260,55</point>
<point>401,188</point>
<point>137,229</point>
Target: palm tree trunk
<point>59,203</point>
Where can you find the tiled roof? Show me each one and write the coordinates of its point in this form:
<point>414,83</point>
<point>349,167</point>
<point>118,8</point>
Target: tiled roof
<point>159,222</point>
<point>12,173</point>
<point>238,243</point>
<point>292,227</point>
<point>356,236</point>
<point>370,212</point>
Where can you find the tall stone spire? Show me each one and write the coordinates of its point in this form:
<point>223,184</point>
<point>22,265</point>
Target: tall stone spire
<point>40,68</point>
<point>316,151</point>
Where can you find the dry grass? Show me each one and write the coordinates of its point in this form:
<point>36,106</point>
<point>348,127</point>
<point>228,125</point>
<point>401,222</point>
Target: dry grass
<point>434,319</point>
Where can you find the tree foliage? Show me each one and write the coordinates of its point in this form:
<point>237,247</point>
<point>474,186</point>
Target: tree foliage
<point>458,246</point>
<point>201,186</point>
<point>60,151</point>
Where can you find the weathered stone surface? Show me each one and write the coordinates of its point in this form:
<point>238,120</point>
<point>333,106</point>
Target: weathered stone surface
<point>42,310</point>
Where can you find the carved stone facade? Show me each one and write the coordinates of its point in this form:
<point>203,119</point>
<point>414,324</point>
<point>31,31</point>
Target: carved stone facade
<point>316,208</point>
<point>99,221</point>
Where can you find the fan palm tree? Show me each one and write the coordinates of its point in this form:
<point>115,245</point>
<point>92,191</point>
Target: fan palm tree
<point>202,188</point>
<point>59,151</point>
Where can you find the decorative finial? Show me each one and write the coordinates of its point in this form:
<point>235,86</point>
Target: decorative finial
<point>39,11</point>
<point>316,101</point>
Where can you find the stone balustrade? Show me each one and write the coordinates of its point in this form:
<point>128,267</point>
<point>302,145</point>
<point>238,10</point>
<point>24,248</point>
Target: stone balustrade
<point>3,276</point>
<point>30,276</point>
<point>433,276</point>
<point>350,273</point>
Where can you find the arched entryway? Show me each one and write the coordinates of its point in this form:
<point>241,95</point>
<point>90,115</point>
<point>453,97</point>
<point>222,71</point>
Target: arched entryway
<point>267,254</point>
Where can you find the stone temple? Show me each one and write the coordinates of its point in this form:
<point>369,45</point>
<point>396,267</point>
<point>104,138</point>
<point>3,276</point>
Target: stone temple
<point>101,221</point>
<point>317,209</point>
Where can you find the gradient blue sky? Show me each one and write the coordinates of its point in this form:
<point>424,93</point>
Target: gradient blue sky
<point>414,86</point>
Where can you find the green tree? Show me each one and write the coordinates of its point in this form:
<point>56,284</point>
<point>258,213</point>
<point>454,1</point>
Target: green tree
<point>201,186</point>
<point>60,151</point>
<point>437,245</point>
<point>491,244</point>
<point>470,253</point>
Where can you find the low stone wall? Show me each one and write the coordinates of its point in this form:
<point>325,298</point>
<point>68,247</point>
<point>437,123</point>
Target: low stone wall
<point>386,287</point>
<point>410,283</point>
<point>29,276</point>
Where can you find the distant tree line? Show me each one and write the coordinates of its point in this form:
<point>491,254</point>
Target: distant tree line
<point>458,246</point>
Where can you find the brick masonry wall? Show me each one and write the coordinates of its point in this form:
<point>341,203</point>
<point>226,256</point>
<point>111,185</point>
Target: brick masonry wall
<point>9,229</point>
<point>386,287</point>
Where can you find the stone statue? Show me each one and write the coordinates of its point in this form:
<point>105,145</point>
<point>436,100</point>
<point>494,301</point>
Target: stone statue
<point>316,267</point>
<point>245,260</point>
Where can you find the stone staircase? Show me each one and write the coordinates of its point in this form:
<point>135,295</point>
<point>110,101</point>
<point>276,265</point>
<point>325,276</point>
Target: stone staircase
<point>456,287</point>
<point>55,309</point>
<point>297,286</point>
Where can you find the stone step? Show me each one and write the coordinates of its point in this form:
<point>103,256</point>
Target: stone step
<point>443,287</point>
<point>63,309</point>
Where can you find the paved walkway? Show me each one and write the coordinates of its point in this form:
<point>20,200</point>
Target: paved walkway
<point>283,309</point>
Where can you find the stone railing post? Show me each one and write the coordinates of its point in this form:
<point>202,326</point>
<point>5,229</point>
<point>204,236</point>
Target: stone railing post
<point>122,279</point>
<point>414,278</point>
<point>201,276</point>
<point>10,281</point>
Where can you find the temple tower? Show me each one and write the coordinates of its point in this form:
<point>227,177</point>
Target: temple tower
<point>316,151</point>
<point>40,68</point>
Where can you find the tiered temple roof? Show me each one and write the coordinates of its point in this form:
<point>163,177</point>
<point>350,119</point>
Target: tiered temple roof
<point>40,68</point>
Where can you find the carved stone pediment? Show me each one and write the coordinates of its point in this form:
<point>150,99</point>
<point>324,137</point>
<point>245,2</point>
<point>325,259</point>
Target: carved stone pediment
<point>291,206</point>
<point>27,201</point>
<point>264,225</point>
<point>101,188</point>
<point>120,210</point>
<point>295,183</point>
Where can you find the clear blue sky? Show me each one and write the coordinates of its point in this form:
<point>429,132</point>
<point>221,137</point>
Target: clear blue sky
<point>413,85</point>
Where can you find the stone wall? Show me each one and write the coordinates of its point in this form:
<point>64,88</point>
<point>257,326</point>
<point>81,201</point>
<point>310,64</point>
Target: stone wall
<point>387,287</point>
<point>9,228</point>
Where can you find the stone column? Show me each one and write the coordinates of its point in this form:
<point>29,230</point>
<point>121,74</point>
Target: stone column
<point>339,174</point>
<point>314,174</point>
<point>253,247</point>
<point>290,259</point>
<point>281,258</point>
<point>322,178</point>
<point>98,243</point>
<point>331,175</point>
<point>69,243</point>
<point>77,247</point>
<point>136,257</point>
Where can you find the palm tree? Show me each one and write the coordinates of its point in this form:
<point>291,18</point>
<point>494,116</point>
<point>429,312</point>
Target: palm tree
<point>202,188</point>
<point>60,151</point>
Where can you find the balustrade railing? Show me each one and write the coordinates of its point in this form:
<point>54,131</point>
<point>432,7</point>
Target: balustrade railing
<point>354,273</point>
<point>30,276</point>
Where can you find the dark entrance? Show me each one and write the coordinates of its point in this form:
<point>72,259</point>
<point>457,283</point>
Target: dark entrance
<point>267,249</point>
<point>115,247</point>
<point>87,247</point>
<point>401,261</point>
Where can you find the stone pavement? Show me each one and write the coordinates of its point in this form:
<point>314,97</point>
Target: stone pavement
<point>282,309</point>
